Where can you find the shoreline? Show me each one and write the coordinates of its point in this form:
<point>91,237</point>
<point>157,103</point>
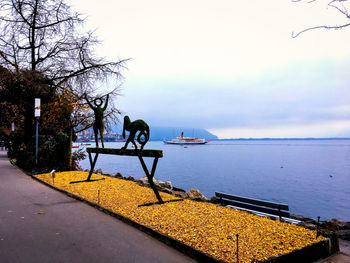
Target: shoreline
<point>244,139</point>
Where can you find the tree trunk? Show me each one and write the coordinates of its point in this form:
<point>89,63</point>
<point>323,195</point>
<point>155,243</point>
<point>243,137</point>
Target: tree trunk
<point>28,125</point>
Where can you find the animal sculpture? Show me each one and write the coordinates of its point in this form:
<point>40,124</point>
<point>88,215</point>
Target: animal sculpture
<point>138,126</point>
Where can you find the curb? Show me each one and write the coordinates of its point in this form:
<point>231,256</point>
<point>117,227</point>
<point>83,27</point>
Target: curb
<point>311,253</point>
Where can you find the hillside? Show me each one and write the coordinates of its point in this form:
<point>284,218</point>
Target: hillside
<point>160,133</point>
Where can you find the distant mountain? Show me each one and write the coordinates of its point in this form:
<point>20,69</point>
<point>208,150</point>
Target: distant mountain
<point>161,133</point>
<point>167,133</point>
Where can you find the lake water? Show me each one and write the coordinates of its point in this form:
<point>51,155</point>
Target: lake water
<point>312,176</point>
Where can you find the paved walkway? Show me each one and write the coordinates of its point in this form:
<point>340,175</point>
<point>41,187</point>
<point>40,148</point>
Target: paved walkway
<point>343,256</point>
<point>39,224</point>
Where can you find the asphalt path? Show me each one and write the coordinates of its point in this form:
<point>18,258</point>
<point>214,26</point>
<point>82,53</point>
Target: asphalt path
<point>39,224</point>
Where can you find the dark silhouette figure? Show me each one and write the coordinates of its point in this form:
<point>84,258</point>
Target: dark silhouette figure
<point>98,125</point>
<point>134,127</point>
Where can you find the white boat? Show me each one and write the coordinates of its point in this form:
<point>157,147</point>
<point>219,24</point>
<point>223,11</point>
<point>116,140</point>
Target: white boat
<point>186,140</point>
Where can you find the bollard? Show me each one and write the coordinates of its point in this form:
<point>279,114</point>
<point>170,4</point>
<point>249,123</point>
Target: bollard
<point>237,248</point>
<point>53,174</point>
<point>98,197</point>
<point>318,224</point>
<point>279,212</point>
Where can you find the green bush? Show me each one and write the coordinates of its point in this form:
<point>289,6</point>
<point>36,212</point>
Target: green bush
<point>53,152</point>
<point>21,154</point>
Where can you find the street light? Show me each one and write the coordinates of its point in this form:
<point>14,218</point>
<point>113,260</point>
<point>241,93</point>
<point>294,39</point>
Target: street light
<point>36,115</point>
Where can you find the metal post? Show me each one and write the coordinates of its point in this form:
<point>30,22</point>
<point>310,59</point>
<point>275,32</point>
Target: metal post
<point>237,248</point>
<point>318,224</point>
<point>36,115</point>
<point>53,174</point>
<point>36,141</point>
<point>98,197</point>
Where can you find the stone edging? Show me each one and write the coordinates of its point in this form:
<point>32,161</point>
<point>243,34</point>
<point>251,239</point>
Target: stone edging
<point>309,253</point>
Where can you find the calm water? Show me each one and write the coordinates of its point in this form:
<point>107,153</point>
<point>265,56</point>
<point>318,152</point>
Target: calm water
<point>313,177</point>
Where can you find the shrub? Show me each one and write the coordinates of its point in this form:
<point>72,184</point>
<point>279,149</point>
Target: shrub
<point>76,157</point>
<point>53,152</point>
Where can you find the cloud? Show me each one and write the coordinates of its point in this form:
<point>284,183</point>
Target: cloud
<point>298,94</point>
<point>311,130</point>
<point>227,65</point>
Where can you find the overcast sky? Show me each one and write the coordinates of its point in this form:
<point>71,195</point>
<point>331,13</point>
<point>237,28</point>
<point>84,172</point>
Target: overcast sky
<point>229,66</point>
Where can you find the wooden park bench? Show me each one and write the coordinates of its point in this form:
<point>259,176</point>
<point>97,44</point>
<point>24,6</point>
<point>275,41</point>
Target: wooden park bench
<point>254,205</point>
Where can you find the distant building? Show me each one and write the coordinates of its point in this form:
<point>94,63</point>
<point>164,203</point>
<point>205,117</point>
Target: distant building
<point>88,136</point>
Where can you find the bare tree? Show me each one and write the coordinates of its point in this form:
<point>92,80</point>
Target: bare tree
<point>46,37</point>
<point>341,6</point>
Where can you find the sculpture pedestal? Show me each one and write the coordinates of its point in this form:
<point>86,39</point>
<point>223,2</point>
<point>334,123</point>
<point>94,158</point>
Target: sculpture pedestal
<point>156,154</point>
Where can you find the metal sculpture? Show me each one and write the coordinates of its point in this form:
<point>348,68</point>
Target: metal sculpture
<point>137,129</point>
<point>98,125</point>
<point>138,126</point>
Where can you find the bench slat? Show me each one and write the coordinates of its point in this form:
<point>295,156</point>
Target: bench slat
<point>256,208</point>
<point>253,201</point>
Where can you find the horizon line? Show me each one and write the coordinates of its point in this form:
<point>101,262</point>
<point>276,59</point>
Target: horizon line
<point>292,138</point>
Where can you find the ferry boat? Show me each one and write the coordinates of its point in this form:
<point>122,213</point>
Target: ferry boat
<point>186,140</point>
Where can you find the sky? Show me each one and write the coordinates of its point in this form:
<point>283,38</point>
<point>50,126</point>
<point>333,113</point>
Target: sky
<point>231,67</point>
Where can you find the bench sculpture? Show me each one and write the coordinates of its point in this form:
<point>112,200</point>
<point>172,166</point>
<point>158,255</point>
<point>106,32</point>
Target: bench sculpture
<point>135,129</point>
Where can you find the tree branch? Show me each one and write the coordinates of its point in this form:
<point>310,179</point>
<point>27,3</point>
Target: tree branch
<point>332,3</point>
<point>336,27</point>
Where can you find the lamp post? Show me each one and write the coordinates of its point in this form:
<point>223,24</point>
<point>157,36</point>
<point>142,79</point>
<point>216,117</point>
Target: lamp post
<point>36,115</point>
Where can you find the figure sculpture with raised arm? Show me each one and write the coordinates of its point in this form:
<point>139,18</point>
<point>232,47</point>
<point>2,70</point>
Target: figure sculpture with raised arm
<point>98,125</point>
<point>135,127</point>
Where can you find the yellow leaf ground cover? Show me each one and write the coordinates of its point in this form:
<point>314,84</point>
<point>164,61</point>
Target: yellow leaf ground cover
<point>204,226</point>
